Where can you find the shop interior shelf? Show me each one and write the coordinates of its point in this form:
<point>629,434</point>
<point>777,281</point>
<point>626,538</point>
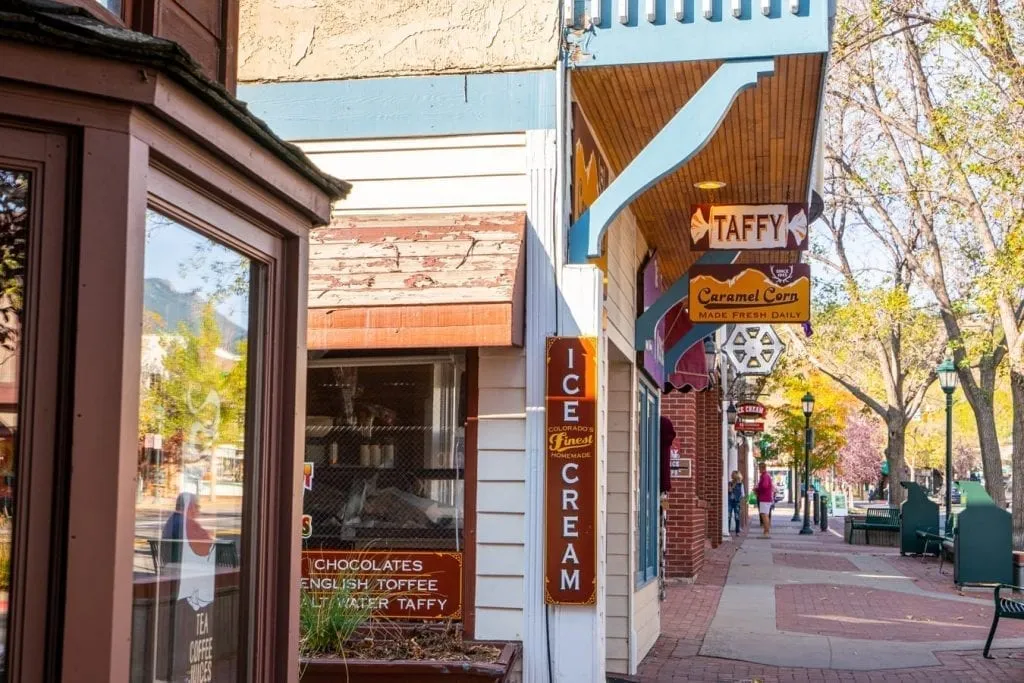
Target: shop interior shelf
<point>421,472</point>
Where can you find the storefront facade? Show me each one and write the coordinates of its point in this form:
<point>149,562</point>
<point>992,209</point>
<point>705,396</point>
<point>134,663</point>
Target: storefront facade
<point>525,179</point>
<point>155,241</point>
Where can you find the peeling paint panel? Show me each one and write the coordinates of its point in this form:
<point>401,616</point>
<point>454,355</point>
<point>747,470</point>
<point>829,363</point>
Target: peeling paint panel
<point>416,260</point>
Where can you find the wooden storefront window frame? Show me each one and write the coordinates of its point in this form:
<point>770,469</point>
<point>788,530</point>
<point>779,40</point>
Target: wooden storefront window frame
<point>268,485</point>
<point>35,589</point>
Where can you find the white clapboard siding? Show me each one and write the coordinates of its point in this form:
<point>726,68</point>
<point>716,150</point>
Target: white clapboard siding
<point>646,618</point>
<point>469,173</point>
<point>617,549</point>
<point>622,264</point>
<point>501,495</point>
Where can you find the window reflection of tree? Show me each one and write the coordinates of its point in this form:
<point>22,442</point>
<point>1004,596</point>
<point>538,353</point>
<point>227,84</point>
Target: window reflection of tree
<point>13,247</point>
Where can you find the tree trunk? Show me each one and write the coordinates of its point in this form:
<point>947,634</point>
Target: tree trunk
<point>897,428</point>
<point>988,439</point>
<point>1017,390</point>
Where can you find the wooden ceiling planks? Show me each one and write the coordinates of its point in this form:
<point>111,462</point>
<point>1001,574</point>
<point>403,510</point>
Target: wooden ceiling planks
<point>762,151</point>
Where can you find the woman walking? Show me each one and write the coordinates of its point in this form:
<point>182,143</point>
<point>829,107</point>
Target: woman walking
<point>765,500</point>
<point>736,498</point>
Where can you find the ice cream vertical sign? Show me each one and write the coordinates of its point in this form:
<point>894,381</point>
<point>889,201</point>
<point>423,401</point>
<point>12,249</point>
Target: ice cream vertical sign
<point>570,562</point>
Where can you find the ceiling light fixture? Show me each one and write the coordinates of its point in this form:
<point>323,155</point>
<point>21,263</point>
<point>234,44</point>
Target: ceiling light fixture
<point>709,185</point>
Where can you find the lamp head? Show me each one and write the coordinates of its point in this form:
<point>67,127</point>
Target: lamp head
<point>807,403</point>
<point>710,353</point>
<point>947,376</point>
<point>730,414</point>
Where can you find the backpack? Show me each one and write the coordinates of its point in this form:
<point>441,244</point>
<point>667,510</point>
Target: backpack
<point>736,492</point>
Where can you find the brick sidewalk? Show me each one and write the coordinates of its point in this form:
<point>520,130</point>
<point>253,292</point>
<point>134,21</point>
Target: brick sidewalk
<point>689,609</point>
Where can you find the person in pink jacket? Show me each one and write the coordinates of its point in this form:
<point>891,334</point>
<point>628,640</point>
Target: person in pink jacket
<point>765,499</point>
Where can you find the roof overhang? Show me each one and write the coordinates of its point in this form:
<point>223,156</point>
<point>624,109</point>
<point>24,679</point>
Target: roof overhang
<point>676,93</point>
<point>763,150</point>
<point>695,30</point>
<point>417,281</point>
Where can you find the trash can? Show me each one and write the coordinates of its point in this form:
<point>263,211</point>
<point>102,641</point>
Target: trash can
<point>1018,569</point>
<point>823,516</point>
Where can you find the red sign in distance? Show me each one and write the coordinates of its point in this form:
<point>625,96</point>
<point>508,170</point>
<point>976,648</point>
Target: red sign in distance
<point>748,409</point>
<point>749,427</point>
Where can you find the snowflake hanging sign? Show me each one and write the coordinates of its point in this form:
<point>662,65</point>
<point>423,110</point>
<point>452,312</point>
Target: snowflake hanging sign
<point>753,349</point>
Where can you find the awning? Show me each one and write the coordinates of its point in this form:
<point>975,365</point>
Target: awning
<point>417,281</point>
<point>691,372</point>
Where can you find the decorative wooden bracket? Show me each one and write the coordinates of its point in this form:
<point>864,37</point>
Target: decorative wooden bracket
<point>682,137</point>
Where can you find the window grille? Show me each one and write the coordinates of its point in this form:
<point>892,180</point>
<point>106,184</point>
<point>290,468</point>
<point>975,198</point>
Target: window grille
<point>386,439</point>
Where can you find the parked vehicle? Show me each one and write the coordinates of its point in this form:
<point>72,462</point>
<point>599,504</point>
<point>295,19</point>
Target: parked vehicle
<point>954,495</point>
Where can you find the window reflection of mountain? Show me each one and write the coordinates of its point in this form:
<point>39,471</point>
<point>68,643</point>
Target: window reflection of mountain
<point>174,308</point>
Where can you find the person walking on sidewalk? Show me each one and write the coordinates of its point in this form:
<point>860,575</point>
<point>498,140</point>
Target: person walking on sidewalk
<point>765,500</point>
<point>736,499</point>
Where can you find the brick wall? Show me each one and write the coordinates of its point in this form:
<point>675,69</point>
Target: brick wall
<point>709,454</point>
<point>685,526</point>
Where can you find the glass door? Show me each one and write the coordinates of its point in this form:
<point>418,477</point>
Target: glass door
<point>32,214</point>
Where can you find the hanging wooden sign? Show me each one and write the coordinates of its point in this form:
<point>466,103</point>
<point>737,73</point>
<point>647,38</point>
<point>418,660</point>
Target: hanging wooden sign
<point>570,561</point>
<point>745,294</point>
<point>747,409</point>
<point>748,226</point>
<point>749,427</point>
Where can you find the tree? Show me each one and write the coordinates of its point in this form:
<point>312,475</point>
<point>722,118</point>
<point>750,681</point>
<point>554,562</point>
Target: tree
<point>14,223</point>
<point>784,440</point>
<point>926,171</point>
<point>965,461</point>
<point>860,457</point>
<point>198,399</point>
<point>871,335</point>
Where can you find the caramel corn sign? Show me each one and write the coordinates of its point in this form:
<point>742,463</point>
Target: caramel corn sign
<point>570,562</point>
<point>750,294</point>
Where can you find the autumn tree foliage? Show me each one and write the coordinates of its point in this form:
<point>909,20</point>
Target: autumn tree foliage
<point>860,457</point>
<point>924,101</point>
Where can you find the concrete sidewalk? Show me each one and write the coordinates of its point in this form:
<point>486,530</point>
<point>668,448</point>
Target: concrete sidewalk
<point>813,608</point>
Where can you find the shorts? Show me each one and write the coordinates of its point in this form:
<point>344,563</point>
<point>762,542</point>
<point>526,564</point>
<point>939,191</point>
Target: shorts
<point>764,508</point>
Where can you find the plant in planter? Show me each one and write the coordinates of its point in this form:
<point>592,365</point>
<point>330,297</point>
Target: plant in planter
<point>342,641</point>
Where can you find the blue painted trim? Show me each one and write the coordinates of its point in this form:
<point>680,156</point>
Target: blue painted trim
<point>648,321</point>
<point>695,38</point>
<point>675,144</point>
<point>696,334</point>
<point>406,106</point>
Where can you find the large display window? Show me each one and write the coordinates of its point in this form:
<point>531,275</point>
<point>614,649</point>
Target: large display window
<point>386,442</point>
<point>384,488</point>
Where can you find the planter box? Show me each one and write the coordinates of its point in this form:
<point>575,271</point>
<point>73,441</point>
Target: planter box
<point>330,670</point>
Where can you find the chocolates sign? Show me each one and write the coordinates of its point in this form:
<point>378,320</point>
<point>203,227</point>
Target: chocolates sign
<point>570,561</point>
<point>394,584</point>
<point>745,294</point>
<point>748,226</point>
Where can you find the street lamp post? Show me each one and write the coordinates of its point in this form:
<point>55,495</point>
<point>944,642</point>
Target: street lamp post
<point>808,406</point>
<point>947,380</point>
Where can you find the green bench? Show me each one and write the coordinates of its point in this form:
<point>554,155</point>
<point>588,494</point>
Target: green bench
<point>1011,608</point>
<point>877,519</point>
